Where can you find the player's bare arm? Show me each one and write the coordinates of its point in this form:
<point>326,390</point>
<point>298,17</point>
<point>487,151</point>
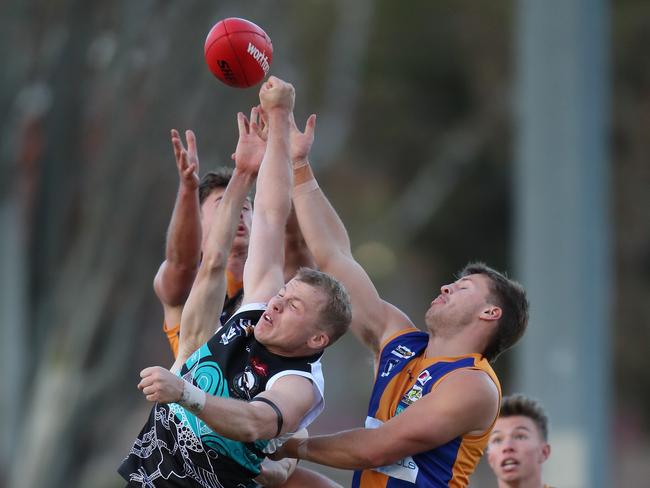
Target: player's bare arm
<point>373,320</point>
<point>263,273</point>
<point>176,274</point>
<point>465,402</point>
<point>200,315</point>
<point>296,252</point>
<point>237,419</point>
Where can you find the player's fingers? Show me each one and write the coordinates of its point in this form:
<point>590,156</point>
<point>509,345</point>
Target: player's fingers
<point>310,125</point>
<point>176,145</point>
<point>255,120</point>
<point>190,170</point>
<point>263,117</point>
<point>264,125</point>
<point>183,159</point>
<point>259,130</point>
<point>191,144</point>
<point>241,125</point>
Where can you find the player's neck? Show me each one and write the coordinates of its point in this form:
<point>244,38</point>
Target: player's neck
<point>289,352</point>
<point>449,347</point>
<point>236,262</point>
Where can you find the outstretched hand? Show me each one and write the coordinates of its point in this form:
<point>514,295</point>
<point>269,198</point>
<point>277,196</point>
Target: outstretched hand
<point>251,144</point>
<point>301,142</point>
<point>187,160</point>
<point>160,385</point>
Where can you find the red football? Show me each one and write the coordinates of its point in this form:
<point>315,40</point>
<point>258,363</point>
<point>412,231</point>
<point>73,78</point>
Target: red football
<point>238,52</point>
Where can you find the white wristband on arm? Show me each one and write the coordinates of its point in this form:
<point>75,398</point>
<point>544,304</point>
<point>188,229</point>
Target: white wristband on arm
<point>192,398</point>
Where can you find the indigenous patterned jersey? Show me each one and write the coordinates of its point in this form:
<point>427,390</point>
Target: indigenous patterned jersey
<point>404,375</point>
<point>175,448</point>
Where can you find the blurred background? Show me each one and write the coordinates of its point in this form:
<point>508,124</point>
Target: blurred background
<point>514,132</point>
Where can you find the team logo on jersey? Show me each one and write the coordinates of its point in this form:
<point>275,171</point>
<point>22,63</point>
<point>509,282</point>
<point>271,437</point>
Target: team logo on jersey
<point>244,327</point>
<point>424,377</point>
<point>402,352</point>
<point>259,367</point>
<point>246,384</point>
<point>413,395</point>
<point>389,366</point>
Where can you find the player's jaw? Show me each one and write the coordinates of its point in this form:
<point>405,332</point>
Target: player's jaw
<point>509,468</point>
<point>435,308</point>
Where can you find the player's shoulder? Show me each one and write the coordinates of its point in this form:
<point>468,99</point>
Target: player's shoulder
<point>474,385</point>
<point>240,324</point>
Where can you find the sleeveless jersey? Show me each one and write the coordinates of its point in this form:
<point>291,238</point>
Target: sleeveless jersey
<point>230,306</point>
<point>175,448</point>
<point>404,375</point>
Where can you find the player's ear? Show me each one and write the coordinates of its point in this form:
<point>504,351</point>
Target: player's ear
<point>319,340</point>
<point>491,312</point>
<point>546,452</point>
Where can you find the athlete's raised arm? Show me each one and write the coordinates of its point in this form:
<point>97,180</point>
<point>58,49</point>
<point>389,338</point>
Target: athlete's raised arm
<point>373,320</point>
<point>200,316</point>
<point>176,274</point>
<point>263,273</point>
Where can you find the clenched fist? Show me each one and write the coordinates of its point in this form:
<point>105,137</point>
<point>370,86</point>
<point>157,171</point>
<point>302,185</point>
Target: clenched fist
<point>160,385</point>
<point>277,94</point>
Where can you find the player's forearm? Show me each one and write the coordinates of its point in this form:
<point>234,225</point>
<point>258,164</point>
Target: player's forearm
<point>205,303</point>
<point>238,420</point>
<point>223,227</point>
<point>184,234</point>
<point>352,449</point>
<point>321,226</point>
<point>182,252</point>
<point>275,178</point>
<point>296,252</point>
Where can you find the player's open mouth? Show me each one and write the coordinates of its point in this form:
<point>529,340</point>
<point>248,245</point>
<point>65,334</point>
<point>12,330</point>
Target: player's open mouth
<point>509,464</point>
<point>267,317</point>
